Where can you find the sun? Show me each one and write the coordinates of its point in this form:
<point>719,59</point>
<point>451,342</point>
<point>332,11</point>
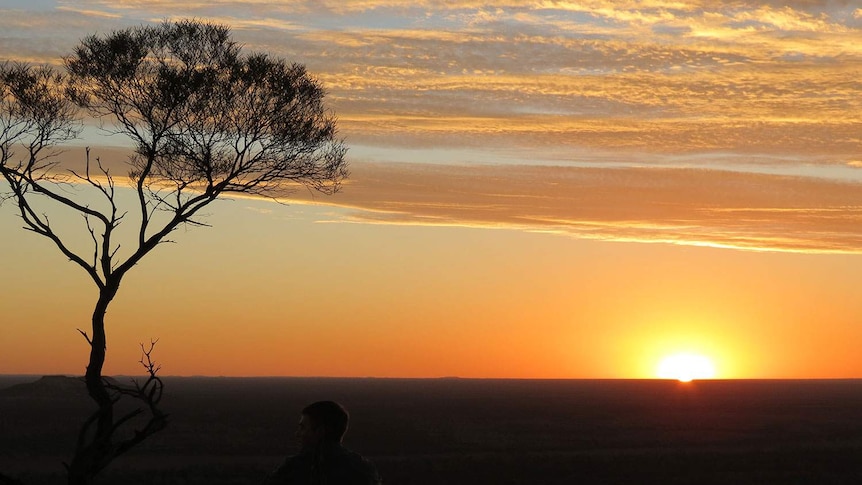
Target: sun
<point>685,367</point>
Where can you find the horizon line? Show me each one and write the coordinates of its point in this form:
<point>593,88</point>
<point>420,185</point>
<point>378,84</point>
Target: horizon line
<point>204,376</point>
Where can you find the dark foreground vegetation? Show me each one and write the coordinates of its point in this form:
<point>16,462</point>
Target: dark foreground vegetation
<point>464,431</point>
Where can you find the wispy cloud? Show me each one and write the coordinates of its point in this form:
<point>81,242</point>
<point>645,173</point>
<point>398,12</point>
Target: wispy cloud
<point>89,12</point>
<point>720,208</point>
<point>689,207</point>
<point>673,85</point>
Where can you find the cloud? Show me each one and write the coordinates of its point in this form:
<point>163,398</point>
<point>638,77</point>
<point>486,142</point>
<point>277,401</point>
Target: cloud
<point>719,208</point>
<point>705,81</point>
<point>690,207</point>
<point>89,12</point>
<point>672,85</point>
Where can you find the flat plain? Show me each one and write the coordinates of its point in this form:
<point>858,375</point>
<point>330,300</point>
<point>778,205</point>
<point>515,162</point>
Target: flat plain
<point>467,431</point>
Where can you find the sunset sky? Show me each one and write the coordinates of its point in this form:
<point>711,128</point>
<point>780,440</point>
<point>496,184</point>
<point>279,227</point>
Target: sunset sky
<point>539,189</point>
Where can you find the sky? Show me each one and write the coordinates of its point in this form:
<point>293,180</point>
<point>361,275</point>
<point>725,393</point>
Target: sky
<point>543,189</point>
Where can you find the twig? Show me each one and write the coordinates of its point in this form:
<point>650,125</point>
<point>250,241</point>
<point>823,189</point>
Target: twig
<point>86,337</point>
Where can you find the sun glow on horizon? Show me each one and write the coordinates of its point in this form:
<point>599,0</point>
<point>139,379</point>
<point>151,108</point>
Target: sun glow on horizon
<point>686,367</point>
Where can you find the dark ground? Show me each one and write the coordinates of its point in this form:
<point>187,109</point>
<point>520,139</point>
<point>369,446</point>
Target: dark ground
<point>465,431</point>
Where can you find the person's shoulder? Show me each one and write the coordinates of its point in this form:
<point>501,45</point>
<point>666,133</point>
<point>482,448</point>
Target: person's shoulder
<point>351,456</point>
<point>289,470</point>
<point>359,466</point>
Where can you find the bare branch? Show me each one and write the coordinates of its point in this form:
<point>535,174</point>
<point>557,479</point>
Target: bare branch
<point>36,224</point>
<point>149,393</point>
<point>95,240</point>
<point>86,337</point>
<point>89,179</point>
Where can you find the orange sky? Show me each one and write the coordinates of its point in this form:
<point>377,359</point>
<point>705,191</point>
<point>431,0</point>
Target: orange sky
<point>538,189</point>
<point>271,290</point>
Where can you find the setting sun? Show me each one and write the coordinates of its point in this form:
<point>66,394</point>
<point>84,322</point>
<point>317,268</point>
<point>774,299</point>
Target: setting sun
<point>686,367</point>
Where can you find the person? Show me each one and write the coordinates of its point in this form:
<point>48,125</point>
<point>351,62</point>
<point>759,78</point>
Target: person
<point>322,460</point>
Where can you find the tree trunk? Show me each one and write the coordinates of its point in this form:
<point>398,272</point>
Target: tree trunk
<point>94,450</point>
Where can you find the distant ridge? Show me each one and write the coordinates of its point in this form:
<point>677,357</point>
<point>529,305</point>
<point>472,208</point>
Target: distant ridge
<point>56,386</point>
<point>50,387</point>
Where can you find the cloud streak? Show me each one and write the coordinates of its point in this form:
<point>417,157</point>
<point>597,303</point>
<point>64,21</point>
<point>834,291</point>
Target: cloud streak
<point>697,207</point>
<point>670,104</point>
<point>689,207</point>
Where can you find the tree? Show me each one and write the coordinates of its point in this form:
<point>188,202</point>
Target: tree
<point>204,120</point>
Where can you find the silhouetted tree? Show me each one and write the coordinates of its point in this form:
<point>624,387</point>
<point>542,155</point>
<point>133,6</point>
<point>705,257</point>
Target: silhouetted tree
<point>204,120</point>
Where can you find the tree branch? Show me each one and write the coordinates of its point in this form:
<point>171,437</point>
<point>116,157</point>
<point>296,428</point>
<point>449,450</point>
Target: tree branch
<point>149,393</point>
<point>86,337</point>
<point>34,223</point>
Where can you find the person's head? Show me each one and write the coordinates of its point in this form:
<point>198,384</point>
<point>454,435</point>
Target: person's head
<point>322,422</point>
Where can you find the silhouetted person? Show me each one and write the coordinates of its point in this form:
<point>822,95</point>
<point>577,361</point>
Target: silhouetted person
<point>322,460</point>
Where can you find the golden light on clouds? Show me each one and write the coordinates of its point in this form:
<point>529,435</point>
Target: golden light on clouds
<point>756,210</point>
<point>697,207</point>
<point>668,77</point>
